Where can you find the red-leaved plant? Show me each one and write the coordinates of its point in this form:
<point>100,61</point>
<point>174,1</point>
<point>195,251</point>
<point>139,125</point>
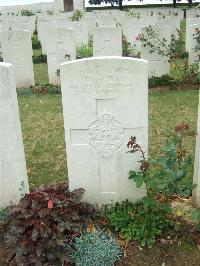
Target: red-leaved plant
<point>40,229</point>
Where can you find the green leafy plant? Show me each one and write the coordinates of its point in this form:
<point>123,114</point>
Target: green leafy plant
<point>127,48</point>
<point>165,173</point>
<point>194,215</point>
<point>35,42</point>
<point>164,80</point>
<point>40,229</point>
<point>85,50</point>
<point>134,14</point>
<point>162,177</point>
<point>96,249</point>
<point>76,16</point>
<point>143,221</point>
<point>178,45</point>
<point>37,59</point>
<point>27,12</point>
<point>169,52</point>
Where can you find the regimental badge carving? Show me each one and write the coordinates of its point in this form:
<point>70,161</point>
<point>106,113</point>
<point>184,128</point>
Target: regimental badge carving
<point>106,134</point>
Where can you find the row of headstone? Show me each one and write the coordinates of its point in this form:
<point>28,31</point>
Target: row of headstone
<point>103,44</point>
<point>131,29</point>
<point>61,47</point>
<point>37,8</point>
<point>18,23</point>
<point>109,96</point>
<point>104,93</point>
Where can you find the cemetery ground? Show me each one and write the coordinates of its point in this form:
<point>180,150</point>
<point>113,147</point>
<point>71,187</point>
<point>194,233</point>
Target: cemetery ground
<point>41,117</point>
<point>43,135</point>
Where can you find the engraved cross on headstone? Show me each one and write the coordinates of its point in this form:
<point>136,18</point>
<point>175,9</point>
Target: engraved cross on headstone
<point>105,135</point>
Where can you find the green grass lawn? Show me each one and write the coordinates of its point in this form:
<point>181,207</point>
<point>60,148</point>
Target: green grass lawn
<point>43,132</point>
<point>40,70</point>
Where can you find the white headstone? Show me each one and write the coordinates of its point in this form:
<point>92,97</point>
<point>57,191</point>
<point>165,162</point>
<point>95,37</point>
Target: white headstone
<point>194,49</point>
<point>196,179</point>
<point>43,25</point>
<point>91,23</point>
<point>173,23</point>
<point>60,48</point>
<point>79,5</point>
<point>13,175</point>
<point>17,50</point>
<point>105,101</point>
<point>107,41</point>
<point>80,31</point>
<point>19,23</point>
<point>193,12</point>
<point>132,31</point>
<point>189,22</point>
<point>106,21</point>
<point>158,64</point>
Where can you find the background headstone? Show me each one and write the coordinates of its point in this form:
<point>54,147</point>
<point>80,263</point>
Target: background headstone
<point>107,41</point>
<point>60,48</point>
<point>158,65</point>
<point>17,50</point>
<point>193,52</point>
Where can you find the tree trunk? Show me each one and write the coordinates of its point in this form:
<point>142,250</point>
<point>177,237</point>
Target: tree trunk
<point>174,3</point>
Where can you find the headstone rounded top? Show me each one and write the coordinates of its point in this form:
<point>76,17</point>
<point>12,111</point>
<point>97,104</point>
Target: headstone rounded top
<point>110,58</point>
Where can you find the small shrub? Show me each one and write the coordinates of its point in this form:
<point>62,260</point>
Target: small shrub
<point>127,49</point>
<point>84,51</point>
<point>37,59</point>
<point>134,14</point>
<point>27,12</point>
<point>143,221</point>
<point>167,172</point>
<point>178,45</point>
<point>40,229</point>
<point>165,80</point>
<point>184,55</point>
<point>76,16</point>
<point>45,88</point>
<point>162,177</point>
<point>186,74</point>
<point>24,91</point>
<point>96,249</point>
<point>35,42</point>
